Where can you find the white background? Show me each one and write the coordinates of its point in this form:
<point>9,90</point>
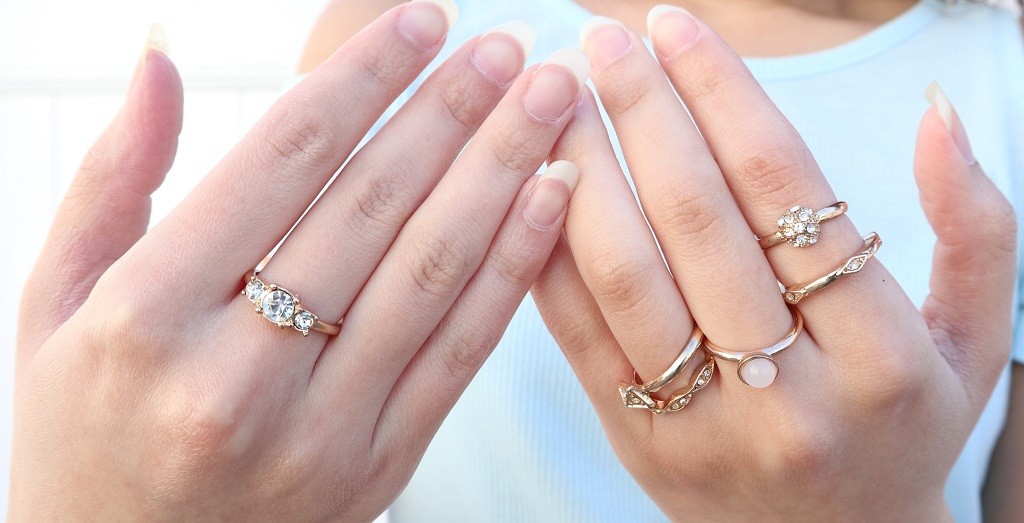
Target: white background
<point>64,66</point>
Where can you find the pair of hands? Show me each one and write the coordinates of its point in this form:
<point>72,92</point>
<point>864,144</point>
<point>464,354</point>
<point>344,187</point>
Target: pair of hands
<point>147,387</point>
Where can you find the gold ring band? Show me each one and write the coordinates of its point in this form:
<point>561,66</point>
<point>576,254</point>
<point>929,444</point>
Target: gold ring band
<point>758,368</point>
<point>635,396</point>
<point>872,243</point>
<point>691,347</point>
<point>800,226</point>
<point>282,308</point>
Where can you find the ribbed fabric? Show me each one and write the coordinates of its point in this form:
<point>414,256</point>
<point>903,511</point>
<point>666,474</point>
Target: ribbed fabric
<point>523,444</point>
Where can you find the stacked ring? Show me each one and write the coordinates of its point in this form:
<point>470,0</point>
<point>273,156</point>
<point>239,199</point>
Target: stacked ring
<point>637,395</point>
<point>795,293</point>
<point>282,308</point>
<point>800,226</point>
<point>758,368</point>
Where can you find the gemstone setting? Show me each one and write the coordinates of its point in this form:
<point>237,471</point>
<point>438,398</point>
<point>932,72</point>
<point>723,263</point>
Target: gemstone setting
<point>799,226</point>
<point>278,306</point>
<point>254,290</point>
<point>758,371</point>
<point>304,321</point>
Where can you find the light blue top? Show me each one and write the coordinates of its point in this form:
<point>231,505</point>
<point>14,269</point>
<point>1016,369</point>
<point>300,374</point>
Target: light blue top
<point>524,444</point>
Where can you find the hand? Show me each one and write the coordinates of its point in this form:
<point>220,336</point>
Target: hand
<point>876,398</point>
<point>146,386</point>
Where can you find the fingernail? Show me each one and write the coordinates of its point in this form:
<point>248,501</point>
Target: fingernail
<point>156,40</point>
<point>672,30</point>
<point>605,40</point>
<point>426,22</point>
<point>556,84</point>
<point>501,52</point>
<point>937,97</point>
<point>551,194</point>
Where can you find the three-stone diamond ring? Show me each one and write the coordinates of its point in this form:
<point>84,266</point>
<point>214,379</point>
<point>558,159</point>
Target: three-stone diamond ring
<point>282,308</point>
<point>800,226</point>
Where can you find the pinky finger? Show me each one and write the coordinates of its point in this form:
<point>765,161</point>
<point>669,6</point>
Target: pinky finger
<point>452,355</point>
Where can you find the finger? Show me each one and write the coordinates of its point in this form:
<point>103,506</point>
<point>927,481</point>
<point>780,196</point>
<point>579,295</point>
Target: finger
<point>107,207</point>
<point>444,242</point>
<point>337,245</point>
<point>769,169</point>
<point>973,270</point>
<point>617,255</point>
<point>576,322</point>
<point>728,286</point>
<point>453,354</point>
<point>257,193</point>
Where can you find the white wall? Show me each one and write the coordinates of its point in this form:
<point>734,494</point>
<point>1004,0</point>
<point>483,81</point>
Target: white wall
<point>64,66</point>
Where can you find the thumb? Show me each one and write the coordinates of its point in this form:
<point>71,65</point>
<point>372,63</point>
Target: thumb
<point>974,266</point>
<point>106,209</point>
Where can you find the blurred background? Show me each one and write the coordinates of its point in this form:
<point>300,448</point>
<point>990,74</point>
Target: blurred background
<point>64,68</point>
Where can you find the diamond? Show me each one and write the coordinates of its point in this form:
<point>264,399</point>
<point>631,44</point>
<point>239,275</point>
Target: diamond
<point>800,227</point>
<point>855,265</point>
<point>278,306</point>
<point>254,289</point>
<point>304,321</point>
<point>801,241</point>
<point>788,233</point>
<point>804,215</point>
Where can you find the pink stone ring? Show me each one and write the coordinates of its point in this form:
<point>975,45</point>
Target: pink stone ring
<point>758,368</point>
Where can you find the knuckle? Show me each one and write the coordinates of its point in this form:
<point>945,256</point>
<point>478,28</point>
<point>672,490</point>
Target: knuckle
<point>624,96</point>
<point>695,215</point>
<point>620,280</point>
<point>440,265</point>
<point>774,173</point>
<point>513,150</point>
<point>382,67</point>
<point>378,204</point>
<point>457,101</point>
<point>197,441</point>
<point>803,453</point>
<point>577,337</point>
<point>301,139</point>
<point>512,265</point>
<point>465,353</point>
<point>895,382</point>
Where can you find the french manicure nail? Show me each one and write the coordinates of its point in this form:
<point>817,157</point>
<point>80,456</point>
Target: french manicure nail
<point>605,40</point>
<point>157,38</point>
<point>500,53</point>
<point>672,30</point>
<point>426,22</point>
<point>937,97</point>
<point>549,197</point>
<point>556,84</point>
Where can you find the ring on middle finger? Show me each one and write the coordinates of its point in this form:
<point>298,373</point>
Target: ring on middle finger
<point>800,226</point>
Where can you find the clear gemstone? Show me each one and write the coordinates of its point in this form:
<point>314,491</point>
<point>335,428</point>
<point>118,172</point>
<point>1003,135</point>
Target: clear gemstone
<point>788,233</point>
<point>304,320</point>
<point>278,306</point>
<point>801,241</point>
<point>855,265</point>
<point>789,218</point>
<point>782,222</point>
<point>800,227</point>
<point>254,289</point>
<point>805,215</point>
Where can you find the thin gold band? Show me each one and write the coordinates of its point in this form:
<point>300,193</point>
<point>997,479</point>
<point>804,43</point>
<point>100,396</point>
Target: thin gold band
<point>696,338</point>
<point>282,307</point>
<point>746,358</point>
<point>635,396</point>
<point>795,293</point>
<point>788,221</point>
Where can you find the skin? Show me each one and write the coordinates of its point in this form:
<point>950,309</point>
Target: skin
<point>200,430</point>
<point>130,406</point>
<point>751,28</point>
<point>882,372</point>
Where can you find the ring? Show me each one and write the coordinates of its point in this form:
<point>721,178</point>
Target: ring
<point>696,339</point>
<point>758,368</point>
<point>800,226</point>
<point>872,243</point>
<point>282,308</point>
<point>635,396</point>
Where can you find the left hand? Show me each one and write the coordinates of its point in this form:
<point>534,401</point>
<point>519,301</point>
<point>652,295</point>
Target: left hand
<point>875,399</point>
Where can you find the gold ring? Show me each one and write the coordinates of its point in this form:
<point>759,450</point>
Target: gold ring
<point>872,243</point>
<point>282,308</point>
<point>635,396</point>
<point>800,226</point>
<point>758,368</point>
<point>696,339</point>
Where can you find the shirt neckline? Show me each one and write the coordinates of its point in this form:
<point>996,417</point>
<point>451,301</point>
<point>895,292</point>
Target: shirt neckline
<point>876,41</point>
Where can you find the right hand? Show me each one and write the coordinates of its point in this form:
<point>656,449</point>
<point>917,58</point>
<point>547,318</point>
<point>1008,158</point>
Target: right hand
<point>147,388</point>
